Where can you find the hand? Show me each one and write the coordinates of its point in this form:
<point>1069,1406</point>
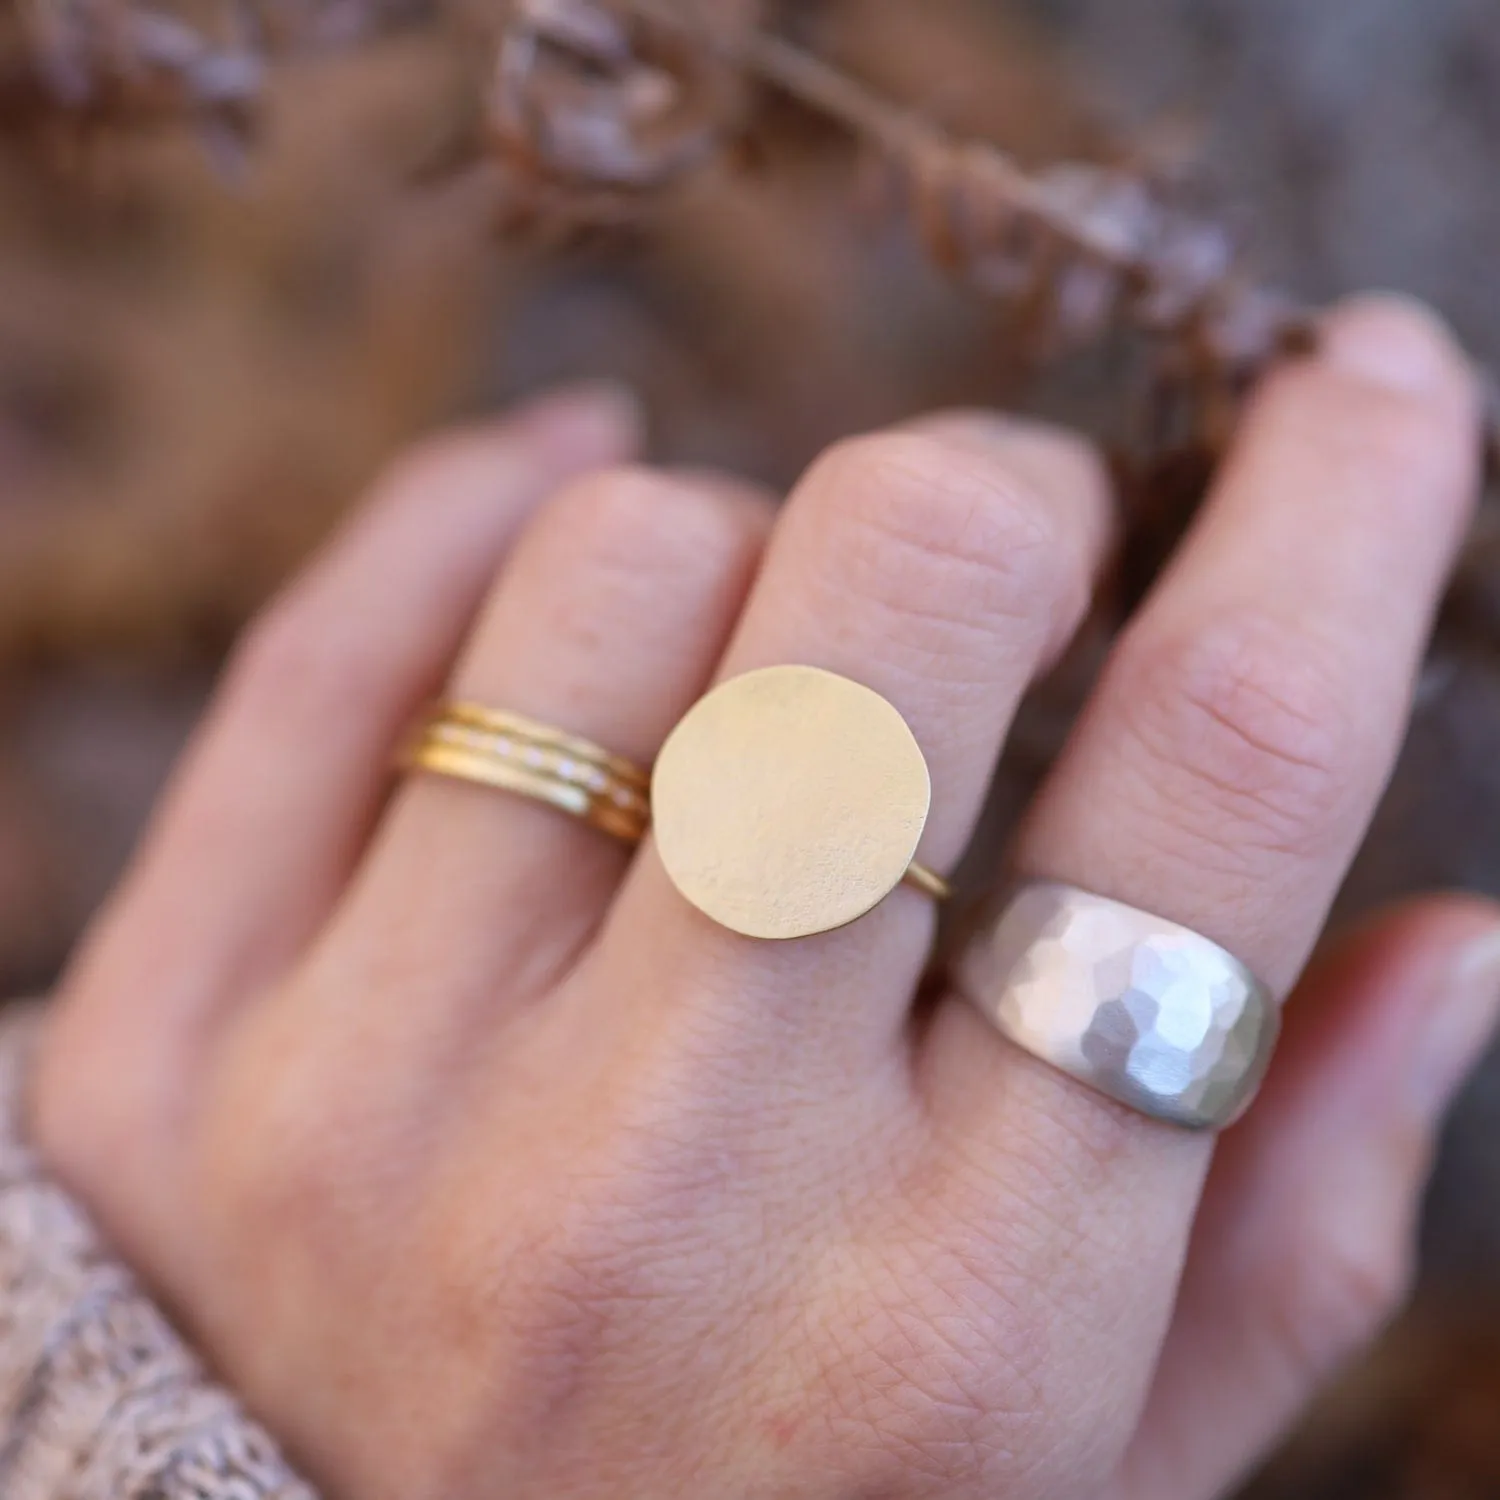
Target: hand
<point>483,1165</point>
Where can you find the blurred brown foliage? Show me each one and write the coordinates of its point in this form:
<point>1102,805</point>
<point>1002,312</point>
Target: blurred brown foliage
<point>211,338</point>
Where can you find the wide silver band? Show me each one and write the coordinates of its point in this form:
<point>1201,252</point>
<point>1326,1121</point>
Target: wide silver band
<point>1140,1009</point>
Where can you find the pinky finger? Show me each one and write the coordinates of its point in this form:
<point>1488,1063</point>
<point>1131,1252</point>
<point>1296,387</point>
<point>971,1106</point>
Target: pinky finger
<point>1303,1245</point>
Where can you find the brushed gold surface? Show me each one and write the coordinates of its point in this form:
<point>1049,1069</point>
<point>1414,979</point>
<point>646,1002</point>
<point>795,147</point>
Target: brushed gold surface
<point>790,802</point>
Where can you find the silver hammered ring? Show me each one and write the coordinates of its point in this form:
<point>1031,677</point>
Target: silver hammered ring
<point>1144,1011</point>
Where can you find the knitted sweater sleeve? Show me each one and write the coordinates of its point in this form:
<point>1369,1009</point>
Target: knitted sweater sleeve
<point>99,1398</point>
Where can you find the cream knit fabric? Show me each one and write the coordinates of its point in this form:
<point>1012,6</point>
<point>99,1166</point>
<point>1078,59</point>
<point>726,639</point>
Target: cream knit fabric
<point>99,1398</point>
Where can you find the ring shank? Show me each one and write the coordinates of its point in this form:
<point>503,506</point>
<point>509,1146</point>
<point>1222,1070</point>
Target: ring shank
<point>928,882</point>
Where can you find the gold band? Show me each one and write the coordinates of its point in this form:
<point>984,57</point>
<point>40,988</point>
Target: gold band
<point>512,753</point>
<point>506,725</point>
<point>929,882</point>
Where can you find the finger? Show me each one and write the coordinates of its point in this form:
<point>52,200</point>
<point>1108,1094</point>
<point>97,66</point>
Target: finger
<point>272,805</point>
<point>1305,1241</point>
<point>1251,716</point>
<point>1222,776</point>
<point>607,624</point>
<point>941,566</point>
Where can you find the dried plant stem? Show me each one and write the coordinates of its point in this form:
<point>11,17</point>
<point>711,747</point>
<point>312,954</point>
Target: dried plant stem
<point>902,134</point>
<point>613,98</point>
<point>1278,325</point>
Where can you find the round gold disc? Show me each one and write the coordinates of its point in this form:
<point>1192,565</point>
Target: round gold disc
<point>789,802</point>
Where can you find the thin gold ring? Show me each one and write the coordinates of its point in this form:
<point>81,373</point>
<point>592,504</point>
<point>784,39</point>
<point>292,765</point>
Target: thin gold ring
<point>929,882</point>
<point>511,753</point>
<point>516,726</point>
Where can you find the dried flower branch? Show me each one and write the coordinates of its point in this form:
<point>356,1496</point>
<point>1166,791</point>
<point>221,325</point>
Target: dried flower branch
<point>1081,251</point>
<point>582,94</point>
<point>594,104</point>
<point>88,63</point>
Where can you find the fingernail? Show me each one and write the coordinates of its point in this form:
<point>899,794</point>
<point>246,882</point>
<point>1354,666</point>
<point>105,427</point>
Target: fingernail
<point>1460,1028</point>
<point>1392,341</point>
<point>584,426</point>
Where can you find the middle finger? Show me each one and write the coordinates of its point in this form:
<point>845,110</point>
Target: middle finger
<point>941,566</point>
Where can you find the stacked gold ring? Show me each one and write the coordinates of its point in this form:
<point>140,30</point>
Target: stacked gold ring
<point>786,803</point>
<point>510,752</point>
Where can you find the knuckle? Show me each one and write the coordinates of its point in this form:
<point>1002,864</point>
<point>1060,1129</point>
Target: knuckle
<point>1251,719</point>
<point>626,530</point>
<point>614,507</point>
<point>934,530</point>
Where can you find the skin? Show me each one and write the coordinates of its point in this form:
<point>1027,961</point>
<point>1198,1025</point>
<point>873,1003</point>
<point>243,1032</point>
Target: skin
<point>481,1164</point>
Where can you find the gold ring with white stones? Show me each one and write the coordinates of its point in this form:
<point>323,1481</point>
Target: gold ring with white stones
<point>512,753</point>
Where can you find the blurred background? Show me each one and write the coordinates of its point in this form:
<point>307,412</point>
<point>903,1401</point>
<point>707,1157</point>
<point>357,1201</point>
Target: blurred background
<point>207,351</point>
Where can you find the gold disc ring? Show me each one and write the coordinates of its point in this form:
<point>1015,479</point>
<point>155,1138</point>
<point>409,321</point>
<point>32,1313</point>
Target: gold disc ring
<point>790,802</point>
<point>512,753</point>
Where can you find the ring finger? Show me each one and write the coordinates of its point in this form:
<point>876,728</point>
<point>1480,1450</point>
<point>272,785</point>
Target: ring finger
<point>1222,778</point>
<point>606,624</point>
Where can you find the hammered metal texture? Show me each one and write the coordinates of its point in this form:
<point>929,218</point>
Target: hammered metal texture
<point>1143,1010</point>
